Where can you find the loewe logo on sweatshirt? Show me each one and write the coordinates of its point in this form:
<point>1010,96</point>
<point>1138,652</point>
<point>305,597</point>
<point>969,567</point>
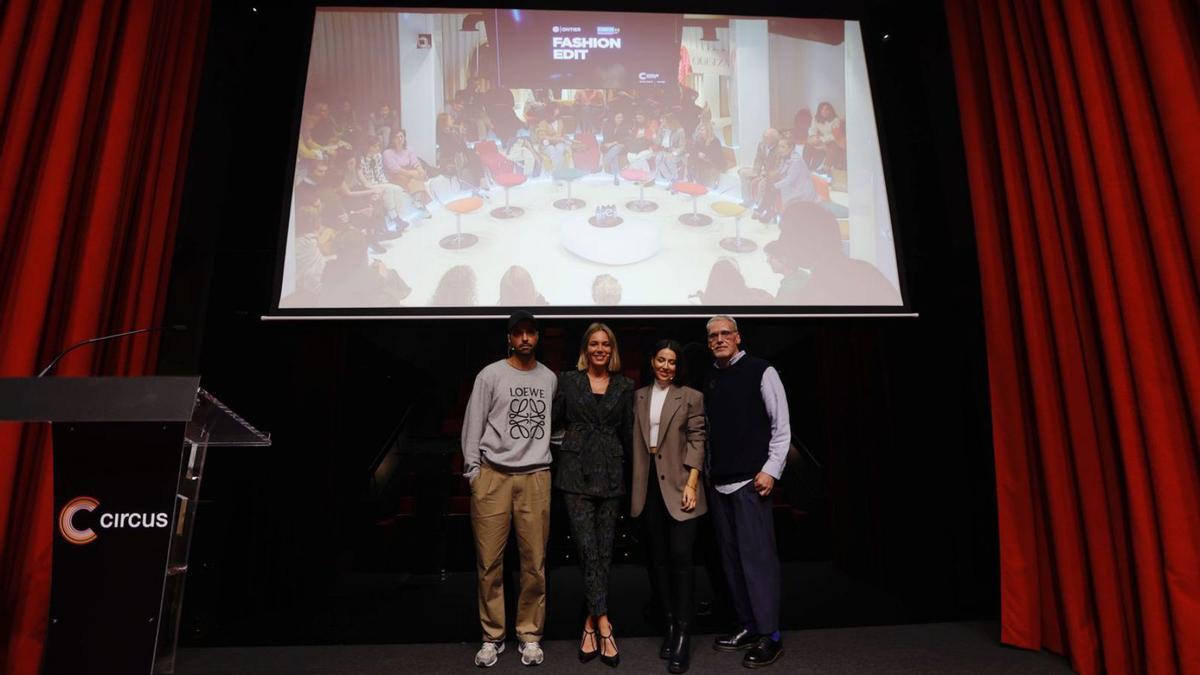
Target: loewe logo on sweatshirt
<point>527,413</point>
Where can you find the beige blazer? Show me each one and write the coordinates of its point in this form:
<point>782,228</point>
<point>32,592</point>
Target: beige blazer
<point>680,445</point>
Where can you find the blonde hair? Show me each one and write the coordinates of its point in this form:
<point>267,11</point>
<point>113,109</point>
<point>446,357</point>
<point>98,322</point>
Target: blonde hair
<point>614,359</point>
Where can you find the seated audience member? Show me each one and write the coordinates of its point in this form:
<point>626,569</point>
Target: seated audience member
<point>589,109</point>
<point>606,290</point>
<point>727,286</point>
<point>517,289</point>
<point>324,184</point>
<point>342,215</point>
<point>405,169</point>
<point>352,279</point>
<point>499,111</point>
<point>795,183</point>
<point>372,218</point>
<point>310,148</point>
<point>621,101</point>
<point>308,174</point>
<point>454,158</point>
<point>542,107</point>
<point>324,131</point>
<point>670,145</point>
<point>308,199</point>
<point>552,146</point>
<point>642,142</point>
<point>706,159</point>
<point>826,146</point>
<point>310,259</point>
<point>473,115</point>
<point>396,201</point>
<point>801,122</point>
<point>382,123</point>
<point>689,113</point>
<point>765,162</point>
<point>457,288</point>
<point>792,181</point>
<point>522,153</point>
<point>346,124</point>
<point>810,240</point>
<point>617,134</point>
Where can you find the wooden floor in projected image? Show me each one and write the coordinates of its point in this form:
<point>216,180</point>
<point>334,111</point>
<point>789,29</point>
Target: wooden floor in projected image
<point>656,259</point>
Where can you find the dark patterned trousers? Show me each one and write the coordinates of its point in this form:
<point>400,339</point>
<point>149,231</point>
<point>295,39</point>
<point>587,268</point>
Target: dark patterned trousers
<point>593,524</point>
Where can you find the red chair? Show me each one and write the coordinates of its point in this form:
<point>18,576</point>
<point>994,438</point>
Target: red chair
<point>508,181</point>
<point>641,204</point>
<point>492,160</point>
<point>696,190</point>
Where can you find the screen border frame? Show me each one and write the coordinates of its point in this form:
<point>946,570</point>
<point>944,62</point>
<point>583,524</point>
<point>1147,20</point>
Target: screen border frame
<point>874,63</point>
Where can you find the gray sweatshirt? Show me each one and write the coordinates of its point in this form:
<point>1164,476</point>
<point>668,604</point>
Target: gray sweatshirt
<point>507,422</point>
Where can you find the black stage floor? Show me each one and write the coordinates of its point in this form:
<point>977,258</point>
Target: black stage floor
<point>966,647</point>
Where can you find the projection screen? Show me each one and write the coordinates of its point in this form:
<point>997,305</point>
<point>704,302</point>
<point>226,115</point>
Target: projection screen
<point>467,162</point>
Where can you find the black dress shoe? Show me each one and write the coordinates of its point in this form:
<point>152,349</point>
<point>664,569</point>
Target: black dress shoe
<point>738,641</point>
<point>764,652</point>
<point>681,651</point>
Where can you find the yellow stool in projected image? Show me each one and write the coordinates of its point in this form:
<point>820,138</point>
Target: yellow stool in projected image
<point>458,207</point>
<point>736,243</point>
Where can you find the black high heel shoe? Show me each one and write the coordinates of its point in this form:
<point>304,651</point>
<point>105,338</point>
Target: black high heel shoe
<point>610,661</point>
<point>584,657</point>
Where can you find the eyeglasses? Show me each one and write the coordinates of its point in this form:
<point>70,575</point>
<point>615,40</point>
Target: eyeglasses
<point>724,335</point>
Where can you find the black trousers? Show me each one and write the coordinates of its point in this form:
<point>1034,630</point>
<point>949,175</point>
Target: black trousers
<point>745,528</point>
<point>593,524</point>
<point>670,544</point>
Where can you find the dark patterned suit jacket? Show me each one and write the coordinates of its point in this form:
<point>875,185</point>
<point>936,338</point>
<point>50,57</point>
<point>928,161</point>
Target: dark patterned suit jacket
<point>598,435</point>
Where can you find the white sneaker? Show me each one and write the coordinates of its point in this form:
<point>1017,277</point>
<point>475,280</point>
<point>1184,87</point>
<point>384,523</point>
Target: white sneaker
<point>531,653</point>
<point>488,654</point>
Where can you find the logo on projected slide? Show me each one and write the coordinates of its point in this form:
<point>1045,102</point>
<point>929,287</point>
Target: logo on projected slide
<point>607,30</point>
<point>648,77</point>
<point>69,529</point>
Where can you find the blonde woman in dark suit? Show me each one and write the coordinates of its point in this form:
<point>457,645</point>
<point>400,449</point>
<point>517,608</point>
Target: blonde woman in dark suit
<point>668,453</point>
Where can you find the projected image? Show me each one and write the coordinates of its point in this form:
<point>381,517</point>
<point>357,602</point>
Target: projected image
<point>517,158</point>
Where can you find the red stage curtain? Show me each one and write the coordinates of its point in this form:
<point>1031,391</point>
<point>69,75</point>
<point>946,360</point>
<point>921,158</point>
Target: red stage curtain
<point>95,113</point>
<point>1081,121</point>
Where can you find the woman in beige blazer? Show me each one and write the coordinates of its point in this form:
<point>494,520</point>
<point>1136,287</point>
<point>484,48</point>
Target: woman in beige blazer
<point>668,453</point>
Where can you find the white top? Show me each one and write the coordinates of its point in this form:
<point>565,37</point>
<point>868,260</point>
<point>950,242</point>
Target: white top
<point>658,396</point>
<point>775,401</point>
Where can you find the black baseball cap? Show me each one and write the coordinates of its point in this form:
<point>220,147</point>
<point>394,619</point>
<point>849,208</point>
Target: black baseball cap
<point>519,316</point>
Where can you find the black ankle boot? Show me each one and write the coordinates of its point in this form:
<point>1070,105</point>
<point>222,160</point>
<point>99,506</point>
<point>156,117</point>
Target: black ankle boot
<point>681,650</point>
<point>668,642</point>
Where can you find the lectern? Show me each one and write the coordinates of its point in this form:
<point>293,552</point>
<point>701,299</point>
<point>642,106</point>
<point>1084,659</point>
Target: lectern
<point>128,459</point>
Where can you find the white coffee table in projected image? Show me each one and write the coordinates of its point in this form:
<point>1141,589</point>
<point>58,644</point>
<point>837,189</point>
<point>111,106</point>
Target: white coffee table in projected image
<point>656,259</point>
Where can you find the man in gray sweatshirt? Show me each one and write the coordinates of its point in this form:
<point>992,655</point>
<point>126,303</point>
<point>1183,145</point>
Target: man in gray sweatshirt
<point>506,457</point>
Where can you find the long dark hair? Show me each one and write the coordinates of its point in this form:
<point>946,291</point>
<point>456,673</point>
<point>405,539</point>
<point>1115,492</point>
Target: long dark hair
<point>680,359</point>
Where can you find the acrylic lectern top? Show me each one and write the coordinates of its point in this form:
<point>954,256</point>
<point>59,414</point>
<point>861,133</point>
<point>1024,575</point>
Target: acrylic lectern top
<point>127,399</point>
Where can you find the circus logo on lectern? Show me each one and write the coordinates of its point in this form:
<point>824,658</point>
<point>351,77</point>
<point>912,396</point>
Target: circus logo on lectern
<point>106,521</point>
<point>66,518</point>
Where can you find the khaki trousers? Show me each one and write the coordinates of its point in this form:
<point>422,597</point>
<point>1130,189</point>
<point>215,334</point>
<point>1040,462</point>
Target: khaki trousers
<point>498,499</point>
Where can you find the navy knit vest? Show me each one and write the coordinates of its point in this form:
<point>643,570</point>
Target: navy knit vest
<point>739,429</point>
